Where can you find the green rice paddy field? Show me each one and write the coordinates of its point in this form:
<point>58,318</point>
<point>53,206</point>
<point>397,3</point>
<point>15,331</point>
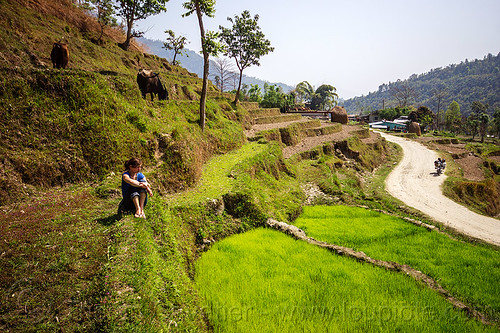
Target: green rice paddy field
<point>265,281</point>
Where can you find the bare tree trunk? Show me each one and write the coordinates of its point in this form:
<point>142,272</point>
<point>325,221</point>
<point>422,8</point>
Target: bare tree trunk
<point>102,33</point>
<point>206,65</point>
<point>239,88</point>
<point>126,44</point>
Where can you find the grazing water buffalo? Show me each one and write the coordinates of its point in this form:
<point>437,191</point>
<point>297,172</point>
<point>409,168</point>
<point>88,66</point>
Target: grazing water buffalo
<point>59,55</point>
<point>149,82</point>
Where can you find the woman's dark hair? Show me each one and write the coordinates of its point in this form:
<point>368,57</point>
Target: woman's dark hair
<point>133,162</point>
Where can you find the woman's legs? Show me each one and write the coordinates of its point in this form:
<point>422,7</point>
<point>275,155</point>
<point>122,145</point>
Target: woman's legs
<point>139,200</point>
<point>138,210</point>
<point>142,200</point>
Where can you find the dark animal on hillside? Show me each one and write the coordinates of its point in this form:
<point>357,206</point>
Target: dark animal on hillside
<point>149,82</point>
<point>59,55</point>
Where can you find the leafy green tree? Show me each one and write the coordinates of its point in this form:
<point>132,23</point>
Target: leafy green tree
<point>254,93</point>
<point>393,113</point>
<point>175,44</point>
<point>425,117</point>
<point>135,10</point>
<point>425,121</point>
<point>484,120</point>
<point>325,97</point>
<point>496,122</point>
<point>472,125</point>
<point>389,113</point>
<point>104,11</point>
<point>274,97</point>
<point>209,45</point>
<point>478,107</point>
<point>453,117</point>
<point>305,92</point>
<point>476,119</point>
<point>244,42</point>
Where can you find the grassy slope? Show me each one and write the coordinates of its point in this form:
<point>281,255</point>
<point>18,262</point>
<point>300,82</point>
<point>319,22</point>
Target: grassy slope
<point>83,122</point>
<point>54,251</point>
<point>481,196</point>
<point>266,281</point>
<point>79,125</point>
<point>77,265</point>
<point>467,270</point>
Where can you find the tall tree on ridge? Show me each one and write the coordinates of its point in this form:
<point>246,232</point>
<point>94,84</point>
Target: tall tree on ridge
<point>244,42</point>
<point>209,44</point>
<point>403,93</point>
<point>305,91</point>
<point>135,10</point>
<point>104,11</point>
<point>175,44</point>
<point>484,120</point>
<point>325,97</point>
<point>496,122</point>
<point>478,118</point>
<point>453,117</point>
<point>439,94</point>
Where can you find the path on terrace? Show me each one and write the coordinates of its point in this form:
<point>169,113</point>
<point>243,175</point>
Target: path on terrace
<point>414,182</point>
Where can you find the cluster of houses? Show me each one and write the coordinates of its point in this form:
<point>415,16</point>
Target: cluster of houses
<point>373,119</point>
<point>398,125</point>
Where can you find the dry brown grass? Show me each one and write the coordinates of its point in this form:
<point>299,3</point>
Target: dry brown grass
<point>69,12</point>
<point>52,254</point>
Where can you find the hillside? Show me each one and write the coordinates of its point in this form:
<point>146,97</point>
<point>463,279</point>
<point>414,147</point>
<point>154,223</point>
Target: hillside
<point>193,62</point>
<point>469,81</point>
<point>82,122</point>
<point>70,262</point>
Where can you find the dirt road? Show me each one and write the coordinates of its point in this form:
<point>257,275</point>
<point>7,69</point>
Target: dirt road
<point>414,182</point>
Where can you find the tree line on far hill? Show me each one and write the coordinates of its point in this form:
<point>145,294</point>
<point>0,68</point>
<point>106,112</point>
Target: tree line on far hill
<point>451,119</point>
<point>463,98</point>
<point>465,83</point>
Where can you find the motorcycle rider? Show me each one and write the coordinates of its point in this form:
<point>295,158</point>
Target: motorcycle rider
<point>439,165</point>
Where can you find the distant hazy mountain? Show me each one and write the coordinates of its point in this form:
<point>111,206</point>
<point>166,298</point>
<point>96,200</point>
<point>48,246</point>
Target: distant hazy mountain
<point>193,62</point>
<point>469,81</point>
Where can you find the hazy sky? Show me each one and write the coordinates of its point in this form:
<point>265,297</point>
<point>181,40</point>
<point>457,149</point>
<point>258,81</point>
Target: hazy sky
<point>354,45</point>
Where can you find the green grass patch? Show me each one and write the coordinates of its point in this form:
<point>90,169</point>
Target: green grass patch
<point>152,260</point>
<point>468,271</point>
<point>277,119</point>
<point>483,149</point>
<point>264,281</point>
<point>149,275</point>
<point>217,178</point>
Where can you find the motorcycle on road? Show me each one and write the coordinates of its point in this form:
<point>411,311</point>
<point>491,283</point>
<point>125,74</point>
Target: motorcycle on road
<point>439,165</point>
